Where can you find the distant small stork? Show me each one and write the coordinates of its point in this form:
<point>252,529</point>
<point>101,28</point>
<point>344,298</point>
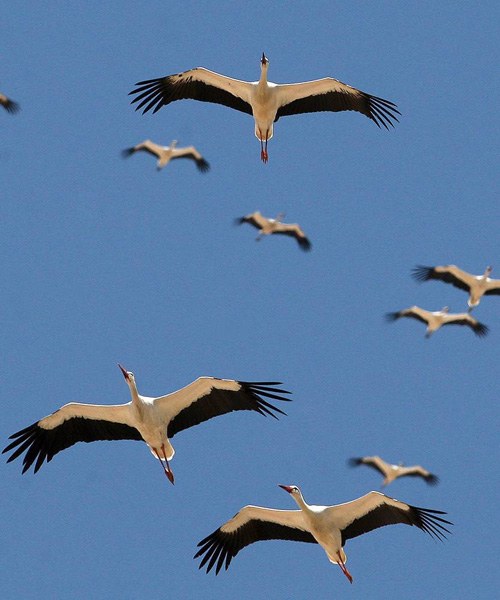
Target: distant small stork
<point>328,526</point>
<point>476,285</point>
<point>266,101</point>
<point>9,105</point>
<point>152,420</point>
<point>167,153</point>
<point>392,472</point>
<point>271,226</point>
<point>439,318</point>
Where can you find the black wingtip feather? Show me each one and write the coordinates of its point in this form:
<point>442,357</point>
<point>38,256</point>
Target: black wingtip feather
<point>422,273</point>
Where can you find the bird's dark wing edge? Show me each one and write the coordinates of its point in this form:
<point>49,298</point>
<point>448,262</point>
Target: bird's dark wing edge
<point>385,514</point>
<point>220,402</point>
<point>422,273</point>
<point>355,462</point>
<point>43,444</point>
<point>155,93</point>
<point>221,547</point>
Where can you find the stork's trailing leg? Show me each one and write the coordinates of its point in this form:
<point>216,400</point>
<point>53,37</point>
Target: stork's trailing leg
<point>263,147</point>
<point>344,568</point>
<point>166,469</point>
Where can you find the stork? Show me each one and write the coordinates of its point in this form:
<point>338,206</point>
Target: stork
<point>439,318</point>
<point>328,526</point>
<point>152,420</point>
<point>167,153</point>
<point>266,101</point>
<point>476,285</point>
<point>9,105</point>
<point>392,472</point>
<point>271,226</point>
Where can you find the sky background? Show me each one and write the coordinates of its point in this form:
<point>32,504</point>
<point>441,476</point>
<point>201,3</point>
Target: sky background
<point>105,260</point>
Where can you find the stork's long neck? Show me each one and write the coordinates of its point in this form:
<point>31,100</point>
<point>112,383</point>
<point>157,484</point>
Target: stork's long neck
<point>263,77</point>
<point>299,499</point>
<point>134,393</point>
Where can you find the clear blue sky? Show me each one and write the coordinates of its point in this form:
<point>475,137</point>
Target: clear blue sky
<point>105,260</point>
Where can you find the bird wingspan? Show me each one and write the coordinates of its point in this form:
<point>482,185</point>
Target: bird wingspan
<point>251,524</point>
<point>374,510</point>
<point>375,462</point>
<point>465,319</point>
<point>329,94</point>
<point>195,84</point>
<point>209,397</point>
<point>70,424</point>
<point>448,274</point>
<point>418,471</point>
<point>414,312</point>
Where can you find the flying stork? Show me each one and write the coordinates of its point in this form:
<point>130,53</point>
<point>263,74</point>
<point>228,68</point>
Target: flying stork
<point>328,526</point>
<point>167,153</point>
<point>392,472</point>
<point>439,318</point>
<point>9,105</point>
<point>152,420</point>
<point>266,101</point>
<point>476,285</point>
<point>270,226</point>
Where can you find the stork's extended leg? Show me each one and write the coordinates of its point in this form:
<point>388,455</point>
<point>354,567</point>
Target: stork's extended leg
<point>166,469</point>
<point>344,568</point>
<point>263,147</point>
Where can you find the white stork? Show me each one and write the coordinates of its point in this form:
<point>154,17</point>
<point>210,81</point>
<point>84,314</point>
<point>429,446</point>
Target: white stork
<point>392,472</point>
<point>329,526</point>
<point>266,101</point>
<point>167,153</point>
<point>152,420</point>
<point>9,105</point>
<point>439,318</point>
<point>271,226</point>
<point>476,285</point>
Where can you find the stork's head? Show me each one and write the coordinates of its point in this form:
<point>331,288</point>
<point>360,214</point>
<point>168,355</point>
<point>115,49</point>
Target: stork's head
<point>291,489</point>
<point>445,309</point>
<point>488,270</point>
<point>264,61</point>
<point>129,376</point>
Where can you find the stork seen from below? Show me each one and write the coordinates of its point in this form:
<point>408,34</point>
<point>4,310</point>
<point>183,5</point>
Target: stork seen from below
<point>9,105</point>
<point>152,420</point>
<point>167,153</point>
<point>435,320</point>
<point>329,526</point>
<point>477,286</point>
<point>392,472</point>
<point>266,101</point>
<point>271,226</point>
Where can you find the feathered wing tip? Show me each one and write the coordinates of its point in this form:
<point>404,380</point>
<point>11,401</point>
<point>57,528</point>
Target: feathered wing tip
<point>263,388</point>
<point>392,316</point>
<point>354,462</point>
<point>149,94</point>
<point>127,152</point>
<point>431,479</point>
<point>214,552</point>
<point>12,107</point>
<point>304,244</point>
<point>426,519</point>
<point>239,220</point>
<point>480,329</point>
<point>421,273</point>
<point>383,112</point>
<point>202,165</point>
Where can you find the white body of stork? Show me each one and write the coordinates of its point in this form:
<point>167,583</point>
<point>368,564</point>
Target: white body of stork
<point>167,153</point>
<point>9,105</point>
<point>153,420</point>
<point>269,226</point>
<point>329,526</point>
<point>476,285</point>
<point>266,101</point>
<point>392,472</point>
<point>439,318</point>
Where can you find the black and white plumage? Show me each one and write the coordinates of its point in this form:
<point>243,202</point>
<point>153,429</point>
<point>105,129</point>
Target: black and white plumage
<point>476,285</point>
<point>153,420</point>
<point>167,153</point>
<point>275,226</point>
<point>266,101</point>
<point>392,472</point>
<point>329,526</point>
<point>9,105</point>
<point>440,318</point>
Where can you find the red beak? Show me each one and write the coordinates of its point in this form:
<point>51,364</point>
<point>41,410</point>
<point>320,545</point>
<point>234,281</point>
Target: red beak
<point>287,488</point>
<point>124,371</point>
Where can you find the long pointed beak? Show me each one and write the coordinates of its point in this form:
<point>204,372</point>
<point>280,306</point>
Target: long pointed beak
<point>264,60</point>
<point>124,371</point>
<point>287,488</point>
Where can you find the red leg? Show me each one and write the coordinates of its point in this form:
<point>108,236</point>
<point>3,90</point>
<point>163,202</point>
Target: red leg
<point>168,470</point>
<point>344,568</point>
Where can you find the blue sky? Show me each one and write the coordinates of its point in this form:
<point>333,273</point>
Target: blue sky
<point>106,261</point>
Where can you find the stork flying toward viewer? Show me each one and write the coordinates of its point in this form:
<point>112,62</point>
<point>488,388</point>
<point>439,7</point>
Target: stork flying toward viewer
<point>435,320</point>
<point>266,101</point>
<point>153,420</point>
<point>270,226</point>
<point>9,105</point>
<point>167,153</point>
<point>392,472</point>
<point>329,526</point>
<point>476,285</point>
